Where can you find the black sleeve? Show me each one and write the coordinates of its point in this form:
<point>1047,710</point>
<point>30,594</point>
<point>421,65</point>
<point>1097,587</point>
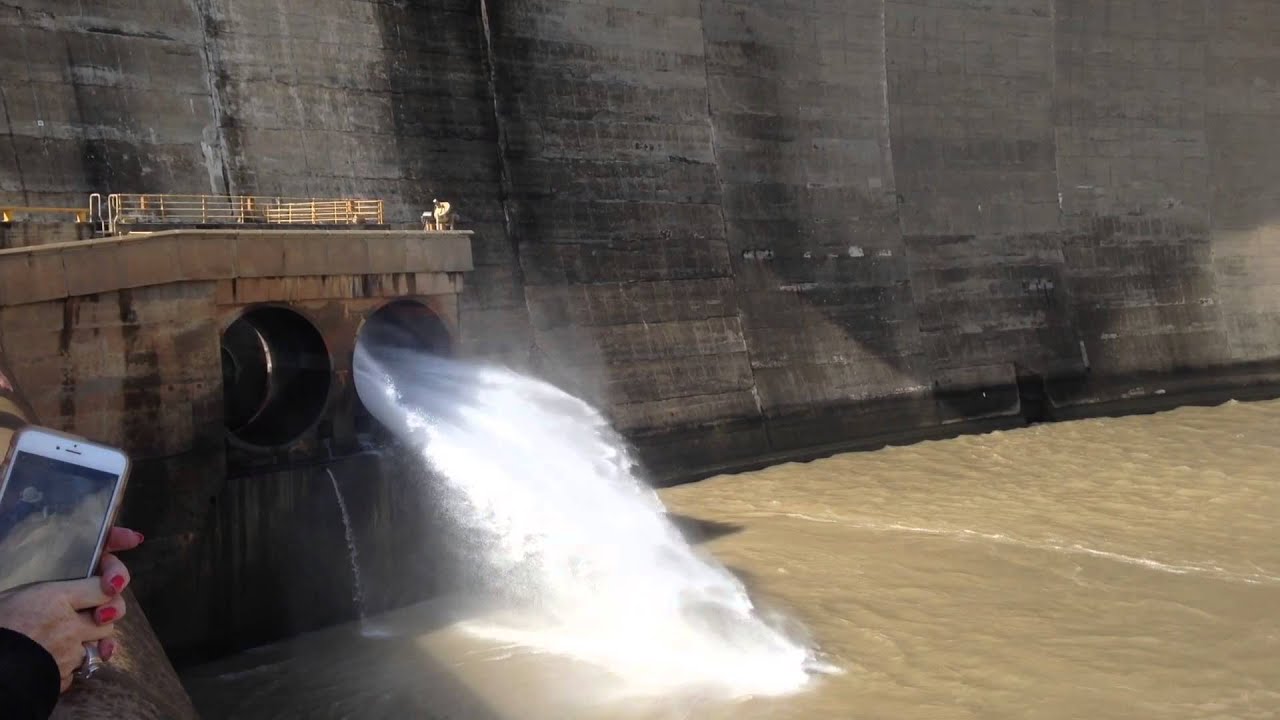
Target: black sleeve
<point>29,678</point>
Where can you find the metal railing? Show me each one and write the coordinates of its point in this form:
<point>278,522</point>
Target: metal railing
<point>130,209</point>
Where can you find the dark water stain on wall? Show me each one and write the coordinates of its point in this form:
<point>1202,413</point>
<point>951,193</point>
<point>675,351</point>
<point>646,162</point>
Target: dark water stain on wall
<point>437,86</point>
<point>107,162</point>
<point>67,390</point>
<point>142,384</point>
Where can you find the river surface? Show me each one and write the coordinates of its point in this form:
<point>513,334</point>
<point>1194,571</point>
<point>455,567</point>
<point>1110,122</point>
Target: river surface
<point>1110,568</point>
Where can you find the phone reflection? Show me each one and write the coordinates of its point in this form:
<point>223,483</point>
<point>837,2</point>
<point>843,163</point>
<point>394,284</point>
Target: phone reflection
<point>51,517</point>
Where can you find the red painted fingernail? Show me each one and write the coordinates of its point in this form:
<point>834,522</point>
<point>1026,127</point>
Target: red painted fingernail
<point>141,537</point>
<point>117,582</point>
<point>106,649</point>
<point>106,615</point>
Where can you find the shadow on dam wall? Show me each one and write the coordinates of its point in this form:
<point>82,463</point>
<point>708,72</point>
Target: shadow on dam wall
<point>437,93</point>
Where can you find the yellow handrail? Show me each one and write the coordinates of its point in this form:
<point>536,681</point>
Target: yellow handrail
<point>126,209</point>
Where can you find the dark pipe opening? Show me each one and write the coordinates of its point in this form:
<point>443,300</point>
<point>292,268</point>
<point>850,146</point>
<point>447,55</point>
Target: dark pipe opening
<point>396,326</point>
<point>276,375</point>
<point>405,325</point>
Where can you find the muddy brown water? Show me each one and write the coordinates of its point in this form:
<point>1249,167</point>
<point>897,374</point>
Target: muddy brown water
<point>1109,568</point>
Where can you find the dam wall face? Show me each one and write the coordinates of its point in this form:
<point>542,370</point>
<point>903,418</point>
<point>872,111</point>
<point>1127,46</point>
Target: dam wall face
<point>743,228</point>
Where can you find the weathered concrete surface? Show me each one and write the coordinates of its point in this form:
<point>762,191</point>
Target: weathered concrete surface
<point>742,227</point>
<point>119,340</point>
<point>970,94</point>
<point>25,234</point>
<point>798,106</point>
<point>86,88</point>
<point>279,553</point>
<point>921,204</point>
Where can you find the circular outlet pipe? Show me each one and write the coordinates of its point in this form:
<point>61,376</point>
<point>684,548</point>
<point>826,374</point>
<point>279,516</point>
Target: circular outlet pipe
<point>276,376</point>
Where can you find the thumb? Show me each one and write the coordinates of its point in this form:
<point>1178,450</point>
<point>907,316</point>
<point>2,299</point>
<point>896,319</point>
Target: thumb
<point>82,594</point>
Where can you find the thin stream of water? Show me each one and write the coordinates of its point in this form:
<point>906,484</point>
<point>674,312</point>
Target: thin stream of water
<point>353,553</point>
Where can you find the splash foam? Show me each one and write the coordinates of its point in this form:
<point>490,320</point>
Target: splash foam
<point>565,535</point>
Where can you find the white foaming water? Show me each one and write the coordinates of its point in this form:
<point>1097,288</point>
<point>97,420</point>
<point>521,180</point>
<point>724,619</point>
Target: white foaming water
<point>566,536</point>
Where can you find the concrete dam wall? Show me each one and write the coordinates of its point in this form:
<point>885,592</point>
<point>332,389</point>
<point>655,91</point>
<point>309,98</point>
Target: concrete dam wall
<point>743,227</point>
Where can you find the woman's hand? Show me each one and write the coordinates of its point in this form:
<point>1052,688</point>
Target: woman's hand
<point>114,577</point>
<point>52,615</point>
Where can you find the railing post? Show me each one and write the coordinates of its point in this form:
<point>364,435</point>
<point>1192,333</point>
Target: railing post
<point>95,201</point>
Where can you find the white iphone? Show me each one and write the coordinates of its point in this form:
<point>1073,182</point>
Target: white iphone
<point>58,501</point>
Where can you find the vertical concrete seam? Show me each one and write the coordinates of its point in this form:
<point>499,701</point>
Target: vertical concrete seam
<point>888,119</point>
<point>1233,337</point>
<point>13,146</point>
<point>506,186</point>
<point>1053,114</point>
<point>288,39</point>
<point>921,352</point>
<point>1064,226</point>
<point>724,224</point>
<point>4,100</point>
<point>221,154</point>
<point>1205,65</point>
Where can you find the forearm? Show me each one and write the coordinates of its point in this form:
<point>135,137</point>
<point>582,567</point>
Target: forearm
<point>29,678</point>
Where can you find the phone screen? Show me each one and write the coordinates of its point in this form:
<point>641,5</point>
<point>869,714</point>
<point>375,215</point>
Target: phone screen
<point>51,517</point>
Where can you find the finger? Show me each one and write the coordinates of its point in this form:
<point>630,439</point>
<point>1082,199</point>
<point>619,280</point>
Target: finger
<point>121,539</point>
<point>89,631</point>
<point>82,594</point>
<point>115,576</point>
<point>106,649</point>
<point>111,612</point>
